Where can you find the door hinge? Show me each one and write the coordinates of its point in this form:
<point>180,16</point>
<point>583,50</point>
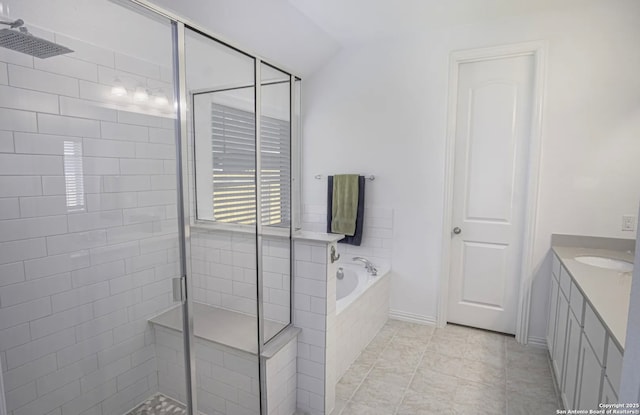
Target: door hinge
<point>179,288</point>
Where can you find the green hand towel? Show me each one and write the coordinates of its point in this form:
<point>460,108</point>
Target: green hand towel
<point>345,204</point>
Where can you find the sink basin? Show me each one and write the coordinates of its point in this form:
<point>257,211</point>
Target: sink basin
<point>608,263</point>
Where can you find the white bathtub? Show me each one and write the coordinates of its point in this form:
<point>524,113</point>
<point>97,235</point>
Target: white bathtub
<point>362,308</point>
<point>355,282</point>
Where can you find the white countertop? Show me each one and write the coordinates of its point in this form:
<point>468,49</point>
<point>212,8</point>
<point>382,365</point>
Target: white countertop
<point>608,291</point>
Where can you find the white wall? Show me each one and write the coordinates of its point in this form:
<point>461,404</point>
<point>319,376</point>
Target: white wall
<point>380,108</point>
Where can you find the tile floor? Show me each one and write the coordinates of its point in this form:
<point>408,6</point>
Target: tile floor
<point>411,369</point>
<point>159,404</point>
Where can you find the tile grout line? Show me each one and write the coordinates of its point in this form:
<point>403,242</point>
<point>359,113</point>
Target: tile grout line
<point>413,375</point>
<point>368,371</point>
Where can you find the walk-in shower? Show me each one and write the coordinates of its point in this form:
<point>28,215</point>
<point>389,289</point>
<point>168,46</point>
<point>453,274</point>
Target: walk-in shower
<point>146,180</point>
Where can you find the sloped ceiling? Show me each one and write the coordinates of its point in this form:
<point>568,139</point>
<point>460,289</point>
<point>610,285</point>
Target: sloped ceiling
<point>304,34</point>
<point>356,21</point>
<point>299,35</point>
<point>274,29</point>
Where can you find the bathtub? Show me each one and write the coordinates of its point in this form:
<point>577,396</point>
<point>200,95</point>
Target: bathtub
<point>355,282</point>
<point>362,308</point>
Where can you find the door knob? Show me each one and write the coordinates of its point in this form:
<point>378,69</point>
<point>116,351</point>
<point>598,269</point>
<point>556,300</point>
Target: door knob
<point>457,230</point>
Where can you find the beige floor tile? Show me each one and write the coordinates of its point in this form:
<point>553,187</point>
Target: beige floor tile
<point>415,345</point>
<point>389,326</point>
<point>527,361</point>
<point>397,366</point>
<point>478,398</point>
<point>482,372</point>
<point>340,405</point>
<point>452,347</point>
<point>441,363</point>
<point>350,381</point>
<point>378,394</point>
<point>514,347</point>
<point>493,354</point>
<point>534,380</point>
<point>535,373</point>
<point>452,331</point>
<point>491,398</point>
<point>381,341</point>
<point>414,342</point>
<point>430,383</point>
<point>521,404</point>
<point>484,337</point>
<point>418,331</point>
<point>410,369</point>
<point>402,354</point>
<point>487,339</point>
<point>398,375</point>
<point>415,403</point>
<point>367,358</point>
<point>534,388</point>
<point>358,408</point>
<point>346,390</point>
<point>477,408</point>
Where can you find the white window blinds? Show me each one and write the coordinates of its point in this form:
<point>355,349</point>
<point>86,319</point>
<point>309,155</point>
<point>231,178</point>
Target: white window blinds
<point>233,152</point>
<point>73,175</point>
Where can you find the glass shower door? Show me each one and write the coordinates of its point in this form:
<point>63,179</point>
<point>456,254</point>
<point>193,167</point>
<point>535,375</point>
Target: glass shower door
<point>222,246</point>
<point>275,178</point>
<point>88,222</point>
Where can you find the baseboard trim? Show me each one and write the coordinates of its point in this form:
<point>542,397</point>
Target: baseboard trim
<point>412,318</point>
<point>539,342</point>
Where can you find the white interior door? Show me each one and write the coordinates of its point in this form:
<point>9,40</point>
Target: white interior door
<point>493,126</point>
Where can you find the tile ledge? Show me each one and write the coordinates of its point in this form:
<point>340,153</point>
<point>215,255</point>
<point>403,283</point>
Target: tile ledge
<point>317,236</point>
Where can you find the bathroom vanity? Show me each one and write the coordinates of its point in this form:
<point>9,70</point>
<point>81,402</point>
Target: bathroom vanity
<point>589,303</point>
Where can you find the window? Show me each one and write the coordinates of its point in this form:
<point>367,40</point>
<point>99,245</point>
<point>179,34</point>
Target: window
<point>73,175</point>
<point>233,155</point>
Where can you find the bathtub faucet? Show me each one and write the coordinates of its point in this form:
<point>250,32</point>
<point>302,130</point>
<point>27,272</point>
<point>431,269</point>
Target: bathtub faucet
<point>371,269</point>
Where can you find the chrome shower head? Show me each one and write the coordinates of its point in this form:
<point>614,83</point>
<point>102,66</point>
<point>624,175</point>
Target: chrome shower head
<point>22,41</point>
<point>14,24</point>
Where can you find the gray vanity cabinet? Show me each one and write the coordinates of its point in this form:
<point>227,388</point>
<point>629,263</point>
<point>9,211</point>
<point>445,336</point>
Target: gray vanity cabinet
<point>586,361</point>
<point>572,354</point>
<point>553,312</point>
<point>559,342</point>
<point>589,383</point>
<point>613,372</point>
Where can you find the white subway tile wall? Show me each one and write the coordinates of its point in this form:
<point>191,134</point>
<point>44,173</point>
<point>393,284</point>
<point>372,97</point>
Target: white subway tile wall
<point>223,265</point>
<point>282,380</point>
<point>227,378</point>
<point>314,283</point>
<point>88,240</point>
<point>377,234</point>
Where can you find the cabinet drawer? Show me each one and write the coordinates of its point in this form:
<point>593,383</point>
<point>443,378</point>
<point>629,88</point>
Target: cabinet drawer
<point>595,332</point>
<point>555,267</point>
<point>576,301</point>
<point>614,365</point>
<point>565,282</point>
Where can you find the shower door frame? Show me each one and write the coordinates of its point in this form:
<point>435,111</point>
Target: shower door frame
<point>178,27</point>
